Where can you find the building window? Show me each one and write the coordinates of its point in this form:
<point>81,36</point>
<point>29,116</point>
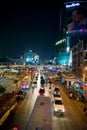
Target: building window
<point>85,55</point>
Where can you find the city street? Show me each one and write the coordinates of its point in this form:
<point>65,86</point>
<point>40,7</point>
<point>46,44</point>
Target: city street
<point>74,118</point>
<point>43,65</point>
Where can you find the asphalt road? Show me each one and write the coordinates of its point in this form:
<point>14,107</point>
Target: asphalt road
<point>74,118</point>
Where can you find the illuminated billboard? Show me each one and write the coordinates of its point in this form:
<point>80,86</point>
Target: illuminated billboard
<point>76,18</point>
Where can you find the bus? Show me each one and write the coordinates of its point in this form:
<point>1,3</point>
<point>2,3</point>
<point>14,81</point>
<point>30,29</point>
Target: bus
<point>41,116</point>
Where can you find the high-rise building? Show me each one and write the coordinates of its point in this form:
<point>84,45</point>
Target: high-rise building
<point>73,28</point>
<point>62,55</point>
<point>29,57</point>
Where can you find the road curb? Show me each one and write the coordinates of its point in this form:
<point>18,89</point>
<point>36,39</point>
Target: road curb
<point>4,117</point>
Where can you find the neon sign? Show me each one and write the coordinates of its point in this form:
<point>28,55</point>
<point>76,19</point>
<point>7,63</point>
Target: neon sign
<point>72,5</point>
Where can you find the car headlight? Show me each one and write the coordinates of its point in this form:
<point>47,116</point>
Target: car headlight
<point>56,109</point>
<point>63,110</point>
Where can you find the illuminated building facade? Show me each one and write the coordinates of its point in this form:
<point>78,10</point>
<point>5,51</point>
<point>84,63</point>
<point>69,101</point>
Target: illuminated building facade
<point>36,58</point>
<point>73,34</point>
<point>79,60</point>
<point>63,44</point>
<point>76,35</point>
<point>29,57</point>
<point>62,53</point>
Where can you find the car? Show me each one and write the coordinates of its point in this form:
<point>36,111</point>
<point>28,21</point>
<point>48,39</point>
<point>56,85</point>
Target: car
<point>50,81</point>
<point>14,127</point>
<point>56,90</point>
<point>42,81</point>
<point>58,105</point>
<point>20,95</point>
<point>41,91</point>
<point>56,96</point>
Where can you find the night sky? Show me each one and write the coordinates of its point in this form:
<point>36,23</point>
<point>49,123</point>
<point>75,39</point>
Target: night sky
<point>28,26</point>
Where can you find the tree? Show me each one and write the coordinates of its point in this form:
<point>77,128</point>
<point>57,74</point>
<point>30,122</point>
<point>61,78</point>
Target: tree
<point>2,89</point>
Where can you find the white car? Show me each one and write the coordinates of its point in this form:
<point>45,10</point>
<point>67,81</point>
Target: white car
<point>56,96</point>
<point>58,105</point>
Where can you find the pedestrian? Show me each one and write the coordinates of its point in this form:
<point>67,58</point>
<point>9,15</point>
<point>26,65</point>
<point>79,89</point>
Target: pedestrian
<point>71,95</point>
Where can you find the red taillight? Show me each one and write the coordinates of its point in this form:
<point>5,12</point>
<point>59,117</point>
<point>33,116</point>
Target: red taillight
<point>41,93</point>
